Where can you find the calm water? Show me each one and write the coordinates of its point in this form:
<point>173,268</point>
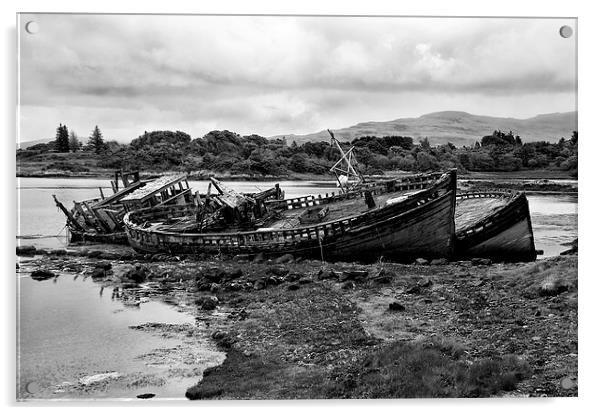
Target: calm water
<point>41,224</point>
<point>71,328</point>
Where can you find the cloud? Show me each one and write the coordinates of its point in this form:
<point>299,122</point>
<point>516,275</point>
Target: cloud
<point>283,74</point>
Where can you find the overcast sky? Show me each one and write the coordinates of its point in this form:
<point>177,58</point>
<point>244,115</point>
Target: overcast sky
<point>278,75</point>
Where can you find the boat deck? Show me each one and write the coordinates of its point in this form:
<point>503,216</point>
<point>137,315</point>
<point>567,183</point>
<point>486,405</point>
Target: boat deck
<point>289,219</point>
<point>471,211</point>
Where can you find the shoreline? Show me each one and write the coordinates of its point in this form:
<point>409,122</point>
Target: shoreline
<point>303,329</point>
<point>467,182</point>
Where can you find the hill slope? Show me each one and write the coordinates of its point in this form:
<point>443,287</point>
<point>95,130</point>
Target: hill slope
<point>459,128</point>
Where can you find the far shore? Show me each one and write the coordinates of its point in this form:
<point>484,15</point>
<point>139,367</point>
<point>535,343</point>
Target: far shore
<point>532,181</point>
<point>480,175</point>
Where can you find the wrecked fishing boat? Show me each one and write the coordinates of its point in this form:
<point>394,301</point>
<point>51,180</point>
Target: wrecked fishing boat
<point>401,220</point>
<point>100,220</point>
<point>495,225</point>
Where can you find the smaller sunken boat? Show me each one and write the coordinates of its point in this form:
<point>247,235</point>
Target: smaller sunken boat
<point>399,220</point>
<point>100,220</point>
<point>495,225</point>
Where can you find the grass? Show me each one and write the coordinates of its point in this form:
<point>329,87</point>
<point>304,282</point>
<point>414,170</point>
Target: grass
<point>257,377</point>
<point>425,369</point>
<point>549,277</point>
<point>420,369</point>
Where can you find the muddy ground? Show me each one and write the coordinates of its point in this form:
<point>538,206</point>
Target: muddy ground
<point>304,329</point>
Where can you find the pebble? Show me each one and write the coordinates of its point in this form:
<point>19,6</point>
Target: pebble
<point>569,382</point>
<point>395,306</point>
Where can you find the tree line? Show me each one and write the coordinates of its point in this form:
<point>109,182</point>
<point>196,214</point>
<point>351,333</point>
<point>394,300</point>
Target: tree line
<point>254,155</point>
<point>68,141</point>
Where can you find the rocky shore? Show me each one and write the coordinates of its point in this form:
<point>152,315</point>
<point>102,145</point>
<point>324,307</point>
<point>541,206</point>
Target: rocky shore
<point>303,329</point>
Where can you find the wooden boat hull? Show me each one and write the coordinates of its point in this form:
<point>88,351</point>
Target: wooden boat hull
<point>420,226</point>
<point>115,238</point>
<point>505,234</point>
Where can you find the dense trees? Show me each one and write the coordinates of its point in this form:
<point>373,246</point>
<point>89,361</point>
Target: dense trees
<point>228,152</point>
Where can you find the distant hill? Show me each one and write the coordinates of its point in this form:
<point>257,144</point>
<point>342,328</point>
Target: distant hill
<point>26,144</point>
<point>459,128</point>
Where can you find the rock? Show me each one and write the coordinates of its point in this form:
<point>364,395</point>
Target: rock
<point>272,280</point>
<point>242,257</point>
<point>109,255</point>
<point>214,274</point>
<point>426,282</point>
<point>439,261</point>
<point>478,283</point>
<point>383,277</point>
<point>552,287</point>
<point>305,281</point>
<point>94,254</point>
<point>569,382</point>
<point>42,274</point>
<point>259,285</point>
<point>58,252</point>
<point>26,250</point>
<point>218,335</point>
<point>232,274</point>
<point>234,286</point>
<point>395,306</point>
<point>325,274</point>
<point>106,265</point>
<point>213,287</point>
<point>536,338</point>
<point>280,271</point>
<point>285,259</point>
<point>225,342</point>
<point>294,276</point>
<point>421,261</point>
<point>480,261</point>
<point>207,303</point>
<point>207,286</point>
<point>348,285</point>
<point>293,287</point>
<point>145,396</point>
<point>138,274</point>
<point>99,272</point>
<point>354,275</point>
<point>413,290</point>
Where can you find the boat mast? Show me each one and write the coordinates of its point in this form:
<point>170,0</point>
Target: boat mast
<point>346,167</point>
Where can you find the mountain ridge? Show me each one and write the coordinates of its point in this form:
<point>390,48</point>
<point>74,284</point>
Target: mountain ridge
<point>458,127</point>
